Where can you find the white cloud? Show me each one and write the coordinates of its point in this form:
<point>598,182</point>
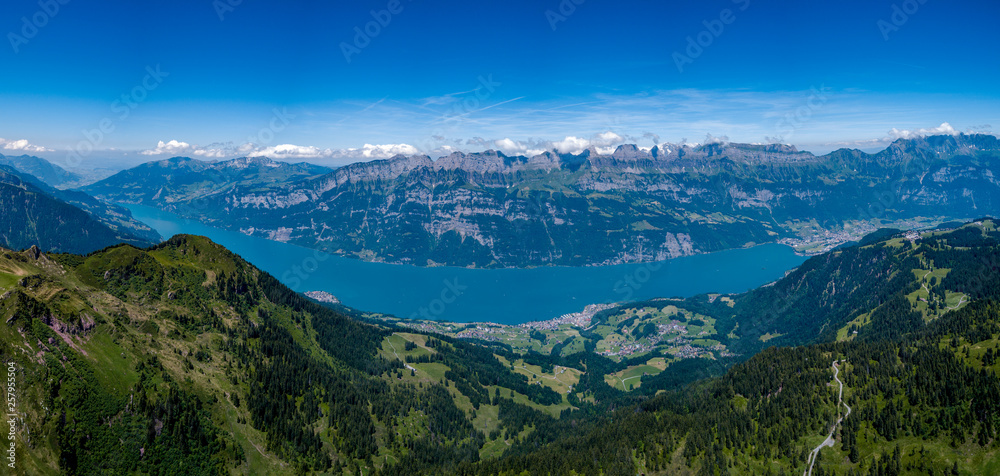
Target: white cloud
<point>21,145</point>
<point>281,151</point>
<point>943,129</point>
<point>608,138</point>
<point>895,134</point>
<point>604,143</point>
<point>506,144</point>
<point>289,151</point>
<point>381,151</point>
<point>710,139</point>
<point>173,147</point>
<point>571,145</point>
<point>515,147</point>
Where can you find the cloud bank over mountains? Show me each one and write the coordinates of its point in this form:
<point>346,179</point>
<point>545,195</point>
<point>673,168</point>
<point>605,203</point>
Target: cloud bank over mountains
<point>603,143</point>
<point>280,152</point>
<point>20,145</point>
<point>893,134</point>
<point>819,119</point>
<point>943,129</point>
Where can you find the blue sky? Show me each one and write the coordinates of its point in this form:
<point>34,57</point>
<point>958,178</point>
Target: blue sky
<point>230,77</point>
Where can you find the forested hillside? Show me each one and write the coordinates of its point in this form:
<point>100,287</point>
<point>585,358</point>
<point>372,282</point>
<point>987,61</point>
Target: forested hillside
<point>184,358</point>
<point>34,214</point>
<point>921,384</point>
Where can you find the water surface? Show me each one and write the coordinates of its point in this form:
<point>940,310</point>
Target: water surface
<point>507,296</point>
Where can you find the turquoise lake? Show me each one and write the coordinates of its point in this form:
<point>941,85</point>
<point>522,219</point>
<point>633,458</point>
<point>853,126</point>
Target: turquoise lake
<point>506,296</point>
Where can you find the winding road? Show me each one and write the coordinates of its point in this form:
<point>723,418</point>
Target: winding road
<point>397,355</point>
<point>829,441</point>
<point>630,378</point>
<point>956,306</point>
<point>960,302</point>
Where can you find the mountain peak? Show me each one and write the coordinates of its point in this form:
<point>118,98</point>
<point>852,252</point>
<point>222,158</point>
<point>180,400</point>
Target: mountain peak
<point>245,162</point>
<point>179,162</point>
<point>40,168</point>
<point>630,152</point>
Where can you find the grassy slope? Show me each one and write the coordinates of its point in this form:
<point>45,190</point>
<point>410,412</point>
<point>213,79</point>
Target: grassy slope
<point>111,349</point>
<point>136,314</point>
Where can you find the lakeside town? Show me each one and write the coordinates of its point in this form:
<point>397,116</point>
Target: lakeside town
<point>670,336</point>
<point>814,240</point>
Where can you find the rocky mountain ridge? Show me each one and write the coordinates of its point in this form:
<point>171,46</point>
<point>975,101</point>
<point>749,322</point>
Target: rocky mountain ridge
<point>493,210</point>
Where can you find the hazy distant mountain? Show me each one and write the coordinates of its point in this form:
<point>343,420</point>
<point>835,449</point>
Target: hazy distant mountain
<point>33,213</point>
<point>489,209</point>
<point>183,179</point>
<point>40,168</point>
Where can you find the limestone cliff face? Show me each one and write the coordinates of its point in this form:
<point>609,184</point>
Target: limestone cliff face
<point>490,209</point>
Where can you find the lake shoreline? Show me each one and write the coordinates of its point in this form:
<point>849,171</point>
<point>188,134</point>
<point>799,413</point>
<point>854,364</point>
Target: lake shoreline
<point>509,296</point>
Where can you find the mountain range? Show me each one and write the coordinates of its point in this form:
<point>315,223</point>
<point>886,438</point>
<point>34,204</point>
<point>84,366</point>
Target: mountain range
<point>878,356</point>
<point>488,209</point>
<point>41,169</point>
<point>33,213</point>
